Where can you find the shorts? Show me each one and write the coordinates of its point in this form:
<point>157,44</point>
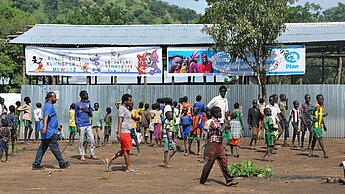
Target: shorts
<point>126,141</point>
<point>194,136</point>
<point>27,123</point>
<point>168,144</point>
<point>96,131</point>
<point>255,131</point>
<point>185,133</point>
<point>235,142</point>
<point>38,126</point>
<point>107,130</point>
<point>317,132</point>
<point>3,145</point>
<point>72,129</point>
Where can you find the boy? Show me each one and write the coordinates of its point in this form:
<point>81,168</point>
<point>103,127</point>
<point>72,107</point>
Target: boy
<point>306,123</point>
<point>201,107</point>
<point>318,115</point>
<point>72,127</point>
<point>216,149</point>
<point>269,133</point>
<point>17,114</point>
<point>38,119</point>
<point>187,105</point>
<point>283,106</point>
<point>124,134</point>
<point>167,139</point>
<point>186,122</point>
<point>12,125</point>
<point>27,119</point>
<point>254,122</point>
<point>135,118</point>
<point>4,139</point>
<point>207,143</point>
<point>235,133</point>
<point>97,119</point>
<point>195,131</point>
<point>83,112</point>
<point>60,134</point>
<point>108,122</point>
<point>238,113</point>
<point>146,118</point>
<point>294,119</point>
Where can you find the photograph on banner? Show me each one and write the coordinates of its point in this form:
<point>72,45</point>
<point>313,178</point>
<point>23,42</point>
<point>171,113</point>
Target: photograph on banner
<point>202,61</point>
<point>97,61</point>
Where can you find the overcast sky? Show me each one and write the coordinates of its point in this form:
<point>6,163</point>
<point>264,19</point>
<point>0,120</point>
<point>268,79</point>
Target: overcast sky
<point>200,5</point>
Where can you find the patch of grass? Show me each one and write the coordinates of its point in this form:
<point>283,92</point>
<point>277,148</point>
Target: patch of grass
<point>248,169</point>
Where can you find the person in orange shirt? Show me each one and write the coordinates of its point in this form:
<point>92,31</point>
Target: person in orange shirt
<point>135,118</point>
<point>187,105</point>
<point>195,131</point>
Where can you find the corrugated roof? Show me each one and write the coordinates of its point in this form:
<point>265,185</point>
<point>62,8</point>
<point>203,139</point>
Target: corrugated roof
<point>165,34</point>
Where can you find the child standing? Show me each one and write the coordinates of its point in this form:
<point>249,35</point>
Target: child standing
<point>294,119</point>
<point>269,133</point>
<point>235,133</point>
<point>186,123</point>
<point>12,125</point>
<point>195,131</point>
<point>27,119</point>
<point>108,122</point>
<point>17,114</point>
<point>157,125</point>
<point>238,113</point>
<point>146,118</point>
<point>167,138</point>
<point>4,139</point>
<point>135,118</point>
<point>97,119</point>
<point>72,129</point>
<point>38,119</point>
<point>60,134</point>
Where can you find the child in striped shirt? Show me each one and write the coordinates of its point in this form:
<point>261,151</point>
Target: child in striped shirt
<point>295,119</point>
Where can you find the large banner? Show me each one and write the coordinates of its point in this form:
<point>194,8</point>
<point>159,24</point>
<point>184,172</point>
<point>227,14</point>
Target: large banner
<point>103,61</point>
<point>289,60</point>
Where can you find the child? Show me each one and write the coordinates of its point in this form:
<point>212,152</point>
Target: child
<point>146,120</point>
<point>186,122</point>
<point>27,119</point>
<point>269,133</point>
<point>216,149</point>
<point>72,129</point>
<point>294,119</point>
<point>17,114</point>
<point>261,106</point>
<point>176,121</point>
<point>12,124</point>
<point>157,125</point>
<point>135,118</point>
<point>238,113</point>
<point>4,139</point>
<point>254,118</point>
<point>235,133</point>
<point>107,126</point>
<point>152,119</point>
<point>38,119</point>
<point>207,143</point>
<point>167,139</point>
<point>97,119</point>
<point>60,134</point>
<point>195,131</point>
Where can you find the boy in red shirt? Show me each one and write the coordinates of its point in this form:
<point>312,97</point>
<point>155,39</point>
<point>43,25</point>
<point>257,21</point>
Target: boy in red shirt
<point>195,131</point>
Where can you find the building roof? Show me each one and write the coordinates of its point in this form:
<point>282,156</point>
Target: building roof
<point>163,34</point>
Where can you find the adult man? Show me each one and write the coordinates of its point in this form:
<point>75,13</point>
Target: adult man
<point>83,113</point>
<point>48,134</point>
<point>221,102</point>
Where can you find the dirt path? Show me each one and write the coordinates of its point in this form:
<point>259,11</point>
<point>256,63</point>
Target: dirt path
<point>295,173</point>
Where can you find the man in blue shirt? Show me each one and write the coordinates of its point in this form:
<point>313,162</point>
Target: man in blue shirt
<point>48,134</point>
<point>83,113</point>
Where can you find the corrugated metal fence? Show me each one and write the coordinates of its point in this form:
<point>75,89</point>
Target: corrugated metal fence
<point>243,94</point>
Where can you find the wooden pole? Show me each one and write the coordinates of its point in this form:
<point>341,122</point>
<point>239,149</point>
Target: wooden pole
<point>340,64</point>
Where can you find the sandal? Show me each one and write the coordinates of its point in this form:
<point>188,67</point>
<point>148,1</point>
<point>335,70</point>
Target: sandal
<point>131,170</point>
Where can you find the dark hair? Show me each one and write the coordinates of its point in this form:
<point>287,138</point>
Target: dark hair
<point>318,96</point>
<point>96,103</point>
<point>82,93</point>
<point>159,100</point>
<point>294,102</point>
<point>49,95</point>
<point>108,110</point>
<point>4,122</point>
<point>180,100</point>
<point>185,99</point>
<point>12,109</point>
<point>125,97</point>
<point>236,105</point>
<point>261,100</point>
<point>18,103</point>
<point>38,105</point>
<point>306,95</point>
<point>198,98</point>
<point>233,115</point>
<point>154,106</point>
<point>27,99</point>
<point>266,110</point>
<point>169,101</point>
<point>222,88</point>
<point>281,96</point>
<point>215,110</point>
<point>175,103</point>
<point>147,106</point>
<point>141,104</point>
<point>72,106</point>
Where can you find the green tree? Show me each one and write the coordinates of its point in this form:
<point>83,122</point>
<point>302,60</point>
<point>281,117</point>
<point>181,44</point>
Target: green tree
<point>243,27</point>
<point>335,14</point>
<point>309,12</point>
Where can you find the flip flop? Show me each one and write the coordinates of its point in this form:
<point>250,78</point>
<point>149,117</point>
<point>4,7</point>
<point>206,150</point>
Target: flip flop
<point>131,170</point>
<point>106,164</point>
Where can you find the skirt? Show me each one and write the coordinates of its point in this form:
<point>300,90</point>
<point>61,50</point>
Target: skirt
<point>158,130</point>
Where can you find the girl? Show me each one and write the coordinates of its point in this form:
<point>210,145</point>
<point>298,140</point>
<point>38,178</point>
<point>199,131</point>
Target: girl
<point>107,126</point>
<point>72,129</point>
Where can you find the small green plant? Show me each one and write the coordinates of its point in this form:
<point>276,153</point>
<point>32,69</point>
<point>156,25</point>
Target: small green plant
<point>248,169</point>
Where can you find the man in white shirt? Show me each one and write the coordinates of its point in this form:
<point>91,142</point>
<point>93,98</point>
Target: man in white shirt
<point>221,102</point>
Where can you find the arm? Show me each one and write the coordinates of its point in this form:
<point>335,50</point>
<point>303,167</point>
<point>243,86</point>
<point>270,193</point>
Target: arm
<point>45,121</point>
<point>76,116</point>
<point>119,127</point>
<point>250,119</point>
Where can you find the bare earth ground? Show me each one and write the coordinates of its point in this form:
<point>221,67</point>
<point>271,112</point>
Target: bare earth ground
<point>295,172</point>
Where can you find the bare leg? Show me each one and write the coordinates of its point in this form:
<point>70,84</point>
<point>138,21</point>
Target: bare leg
<point>190,146</point>
<point>26,134</point>
<point>30,132</point>
<point>323,148</point>
<point>198,144</point>
<point>127,160</point>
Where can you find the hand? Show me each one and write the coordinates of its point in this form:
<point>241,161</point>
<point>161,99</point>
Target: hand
<point>325,114</point>
<point>44,130</point>
<point>118,137</point>
<point>84,110</point>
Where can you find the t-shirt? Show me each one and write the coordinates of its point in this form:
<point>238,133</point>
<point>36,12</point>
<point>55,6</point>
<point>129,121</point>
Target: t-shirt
<point>96,118</point>
<point>186,122</point>
<point>200,105</point>
<point>268,124</point>
<point>235,129</point>
<point>52,123</point>
<point>222,103</point>
<point>82,119</point>
<point>206,68</point>
<point>275,111</point>
<point>27,112</point>
<point>196,120</point>
<point>282,106</point>
<point>167,108</point>
<point>188,106</point>
<point>254,117</point>
<point>11,119</point>
<point>140,112</point>
<point>305,108</point>
<point>127,120</point>
<point>108,121</point>
<point>146,118</point>
<point>38,114</point>
<point>72,118</point>
<point>167,128</point>
<point>239,116</point>
<point>135,114</point>
<point>318,114</point>
<point>295,114</point>
<point>156,115</point>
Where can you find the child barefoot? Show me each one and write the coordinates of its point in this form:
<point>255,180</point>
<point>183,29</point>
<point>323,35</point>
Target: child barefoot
<point>186,122</point>
<point>195,131</point>
<point>269,133</point>
<point>4,139</point>
<point>235,133</point>
<point>107,127</point>
<point>167,139</point>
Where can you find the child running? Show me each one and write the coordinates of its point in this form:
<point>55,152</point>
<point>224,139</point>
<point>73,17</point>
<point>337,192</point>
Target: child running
<point>167,139</point>
<point>235,133</point>
<point>269,133</point>
<point>195,131</point>
<point>108,123</point>
<point>4,139</point>
<point>186,123</point>
<point>38,120</point>
<point>72,129</point>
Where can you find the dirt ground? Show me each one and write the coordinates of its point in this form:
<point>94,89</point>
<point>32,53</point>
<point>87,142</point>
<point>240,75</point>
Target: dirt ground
<point>295,172</point>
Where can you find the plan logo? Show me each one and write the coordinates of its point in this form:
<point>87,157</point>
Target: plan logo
<point>292,57</point>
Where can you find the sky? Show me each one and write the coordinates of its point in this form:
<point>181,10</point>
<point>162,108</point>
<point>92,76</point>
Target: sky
<point>200,5</point>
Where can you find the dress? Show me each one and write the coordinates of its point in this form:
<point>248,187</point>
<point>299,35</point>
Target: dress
<point>269,131</point>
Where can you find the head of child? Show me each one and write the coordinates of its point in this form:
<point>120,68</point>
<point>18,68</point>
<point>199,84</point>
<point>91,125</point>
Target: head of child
<point>27,100</point>
<point>198,98</point>
<point>18,103</point>
<point>38,105</point>
<point>268,112</point>
<point>175,104</point>
<point>222,91</point>
<point>60,128</point>
<point>295,104</point>
<point>169,101</point>
<point>233,116</point>
<point>4,123</point>
<point>236,105</point>
<point>169,115</point>
<point>127,100</point>
<point>282,97</point>
<point>108,110</point>
<point>255,103</point>
<point>141,104</point>
<point>307,98</point>
<point>12,109</point>
<point>196,111</point>
<point>72,106</point>
<point>159,100</point>
<point>96,106</point>
<point>185,111</point>
<point>185,99</point>
<point>261,100</point>
<point>2,100</point>
<point>272,100</point>
<point>84,95</point>
<point>216,112</point>
<point>275,96</point>
<point>157,106</point>
<point>180,100</point>
<point>320,99</point>
<point>147,106</point>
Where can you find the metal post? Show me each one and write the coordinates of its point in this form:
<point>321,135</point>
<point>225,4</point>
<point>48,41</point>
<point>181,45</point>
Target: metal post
<point>340,63</point>
<point>323,71</point>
